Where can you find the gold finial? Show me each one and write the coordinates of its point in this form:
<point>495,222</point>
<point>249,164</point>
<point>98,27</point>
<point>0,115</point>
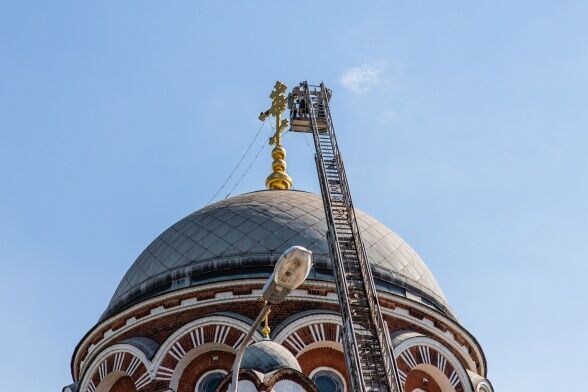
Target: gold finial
<point>279,179</point>
<point>266,330</point>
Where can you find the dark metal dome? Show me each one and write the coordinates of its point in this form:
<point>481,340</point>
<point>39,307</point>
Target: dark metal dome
<point>267,356</point>
<point>244,235</point>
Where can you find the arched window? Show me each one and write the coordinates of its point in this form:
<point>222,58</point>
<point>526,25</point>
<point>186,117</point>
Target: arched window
<point>210,380</point>
<point>327,380</point>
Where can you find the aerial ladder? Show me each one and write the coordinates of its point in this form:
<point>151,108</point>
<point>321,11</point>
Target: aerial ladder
<point>368,350</point>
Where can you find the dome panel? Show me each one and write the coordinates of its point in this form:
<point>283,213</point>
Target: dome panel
<point>245,235</point>
<point>267,356</point>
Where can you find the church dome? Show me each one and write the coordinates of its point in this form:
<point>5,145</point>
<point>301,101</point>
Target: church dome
<point>267,356</point>
<point>243,236</point>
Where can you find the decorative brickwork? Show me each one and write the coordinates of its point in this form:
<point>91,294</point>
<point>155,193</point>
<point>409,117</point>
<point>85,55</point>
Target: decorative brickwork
<point>163,321</point>
<point>210,361</point>
<point>117,363</point>
<point>301,337</point>
<point>323,357</point>
<point>417,352</point>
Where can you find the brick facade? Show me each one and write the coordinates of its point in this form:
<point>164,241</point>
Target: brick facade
<point>124,384</point>
<point>323,357</point>
<point>210,361</point>
<point>167,319</point>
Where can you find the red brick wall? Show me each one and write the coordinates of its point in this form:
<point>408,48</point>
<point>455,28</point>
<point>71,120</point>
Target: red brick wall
<point>421,380</point>
<point>124,384</point>
<point>159,330</point>
<point>209,361</point>
<point>323,357</point>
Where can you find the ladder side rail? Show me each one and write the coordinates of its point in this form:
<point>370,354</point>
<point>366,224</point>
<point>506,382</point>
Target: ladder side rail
<point>344,196</point>
<point>376,313</point>
<point>371,294</point>
<point>338,267</point>
<point>370,288</point>
<point>376,327</point>
<point>348,339</point>
<point>364,264</point>
<point>347,198</point>
<point>347,201</point>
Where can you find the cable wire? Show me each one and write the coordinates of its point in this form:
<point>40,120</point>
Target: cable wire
<point>308,144</point>
<point>263,147</point>
<point>238,163</point>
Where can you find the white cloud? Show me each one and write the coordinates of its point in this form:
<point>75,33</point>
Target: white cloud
<point>362,78</point>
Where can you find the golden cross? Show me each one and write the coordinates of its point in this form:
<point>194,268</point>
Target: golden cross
<point>278,179</point>
<point>278,107</point>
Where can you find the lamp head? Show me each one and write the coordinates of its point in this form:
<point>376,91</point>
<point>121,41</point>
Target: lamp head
<point>290,271</point>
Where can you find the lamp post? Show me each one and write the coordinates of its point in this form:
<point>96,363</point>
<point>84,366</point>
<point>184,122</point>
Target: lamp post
<point>290,271</point>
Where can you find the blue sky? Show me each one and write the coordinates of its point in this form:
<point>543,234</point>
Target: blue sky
<point>463,128</point>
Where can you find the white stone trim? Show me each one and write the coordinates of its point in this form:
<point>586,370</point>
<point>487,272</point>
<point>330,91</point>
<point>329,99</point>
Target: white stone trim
<point>306,321</point>
<point>254,297</point>
<point>448,354</point>
<point>448,339</point>
<point>318,369</point>
<point>88,385</point>
<point>204,375</point>
<point>201,322</point>
<point>322,344</point>
<point>176,373</point>
<point>484,386</point>
<point>315,322</point>
<point>223,325</point>
<point>400,312</point>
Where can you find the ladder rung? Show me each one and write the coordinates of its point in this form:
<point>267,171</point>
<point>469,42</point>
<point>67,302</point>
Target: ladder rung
<point>350,264</point>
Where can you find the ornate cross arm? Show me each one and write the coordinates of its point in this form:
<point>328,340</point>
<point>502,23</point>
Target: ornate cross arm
<point>279,179</point>
<point>278,107</point>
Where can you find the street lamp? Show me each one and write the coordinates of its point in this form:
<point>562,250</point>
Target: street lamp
<point>290,271</point>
